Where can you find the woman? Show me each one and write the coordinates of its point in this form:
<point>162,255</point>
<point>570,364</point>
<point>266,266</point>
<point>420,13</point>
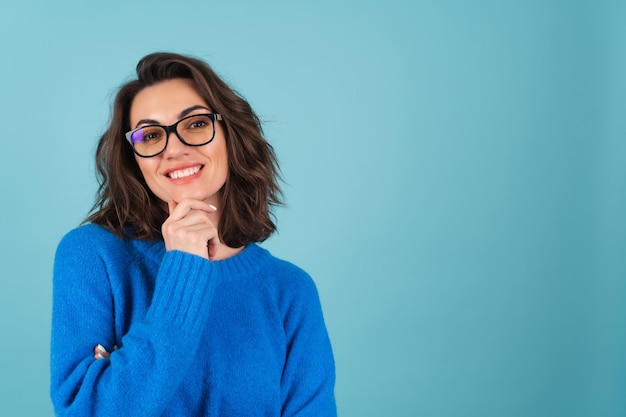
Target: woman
<point>188,316</point>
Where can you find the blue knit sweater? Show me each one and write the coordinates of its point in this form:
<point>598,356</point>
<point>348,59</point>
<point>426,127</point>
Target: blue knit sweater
<point>244,336</point>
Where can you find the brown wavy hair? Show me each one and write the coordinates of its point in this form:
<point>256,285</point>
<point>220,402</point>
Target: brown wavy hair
<point>126,206</point>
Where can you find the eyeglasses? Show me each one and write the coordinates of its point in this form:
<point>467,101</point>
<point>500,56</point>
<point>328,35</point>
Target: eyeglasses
<point>195,130</point>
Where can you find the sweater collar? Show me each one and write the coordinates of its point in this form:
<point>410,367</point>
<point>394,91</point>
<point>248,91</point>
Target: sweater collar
<point>250,259</point>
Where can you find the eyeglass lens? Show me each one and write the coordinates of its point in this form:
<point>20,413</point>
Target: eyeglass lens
<point>194,130</point>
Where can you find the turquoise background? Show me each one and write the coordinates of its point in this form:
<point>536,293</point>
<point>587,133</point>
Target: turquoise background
<point>455,184</point>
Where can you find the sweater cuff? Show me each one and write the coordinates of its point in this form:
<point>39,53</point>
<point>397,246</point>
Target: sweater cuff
<point>183,291</point>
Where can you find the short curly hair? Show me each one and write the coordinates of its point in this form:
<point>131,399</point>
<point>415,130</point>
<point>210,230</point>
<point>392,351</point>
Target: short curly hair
<point>126,206</point>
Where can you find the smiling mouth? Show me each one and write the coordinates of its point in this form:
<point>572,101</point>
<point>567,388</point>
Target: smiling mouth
<point>182,173</point>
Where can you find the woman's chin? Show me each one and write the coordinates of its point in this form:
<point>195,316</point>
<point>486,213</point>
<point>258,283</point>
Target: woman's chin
<point>212,199</point>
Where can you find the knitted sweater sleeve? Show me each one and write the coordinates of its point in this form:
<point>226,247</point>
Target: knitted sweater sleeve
<point>308,379</point>
<point>139,378</point>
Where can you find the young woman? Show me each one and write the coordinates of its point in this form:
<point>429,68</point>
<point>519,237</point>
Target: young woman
<point>163,303</point>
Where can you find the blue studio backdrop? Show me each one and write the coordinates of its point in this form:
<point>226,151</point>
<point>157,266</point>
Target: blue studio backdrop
<point>455,180</point>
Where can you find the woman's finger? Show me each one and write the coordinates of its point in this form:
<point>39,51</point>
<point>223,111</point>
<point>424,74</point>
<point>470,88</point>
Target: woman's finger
<point>180,209</point>
<point>192,217</point>
<point>99,352</point>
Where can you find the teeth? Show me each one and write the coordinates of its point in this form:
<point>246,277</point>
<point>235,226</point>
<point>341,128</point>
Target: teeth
<point>182,173</point>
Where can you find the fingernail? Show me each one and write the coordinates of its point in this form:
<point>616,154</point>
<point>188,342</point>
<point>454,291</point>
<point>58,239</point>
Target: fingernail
<point>101,348</point>
<point>99,356</point>
<point>213,207</point>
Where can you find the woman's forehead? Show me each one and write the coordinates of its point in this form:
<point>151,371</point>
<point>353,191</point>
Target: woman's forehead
<point>165,101</point>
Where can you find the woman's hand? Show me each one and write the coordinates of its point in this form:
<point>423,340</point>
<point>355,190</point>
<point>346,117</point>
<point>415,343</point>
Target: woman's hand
<point>189,228</point>
<point>99,352</point>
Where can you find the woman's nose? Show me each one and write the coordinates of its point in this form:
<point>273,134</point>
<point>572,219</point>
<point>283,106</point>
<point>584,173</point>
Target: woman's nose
<point>175,146</point>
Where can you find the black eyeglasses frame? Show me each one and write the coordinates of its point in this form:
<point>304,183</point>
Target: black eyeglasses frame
<point>172,129</point>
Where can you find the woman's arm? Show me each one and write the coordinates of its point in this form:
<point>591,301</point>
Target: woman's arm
<point>308,380</point>
<point>144,373</point>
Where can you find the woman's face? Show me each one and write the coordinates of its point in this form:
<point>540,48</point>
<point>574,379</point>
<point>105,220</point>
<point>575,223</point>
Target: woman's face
<point>180,171</point>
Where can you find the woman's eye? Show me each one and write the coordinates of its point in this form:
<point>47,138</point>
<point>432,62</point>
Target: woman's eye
<point>151,135</point>
<point>197,124</point>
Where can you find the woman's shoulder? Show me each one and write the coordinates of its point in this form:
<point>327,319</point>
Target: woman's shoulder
<point>90,238</point>
<point>87,233</point>
<point>285,276</point>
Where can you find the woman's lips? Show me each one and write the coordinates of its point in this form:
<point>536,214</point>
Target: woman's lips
<point>184,172</point>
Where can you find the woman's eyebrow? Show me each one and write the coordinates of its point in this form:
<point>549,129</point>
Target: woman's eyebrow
<point>182,114</point>
<point>146,122</point>
<point>192,108</point>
